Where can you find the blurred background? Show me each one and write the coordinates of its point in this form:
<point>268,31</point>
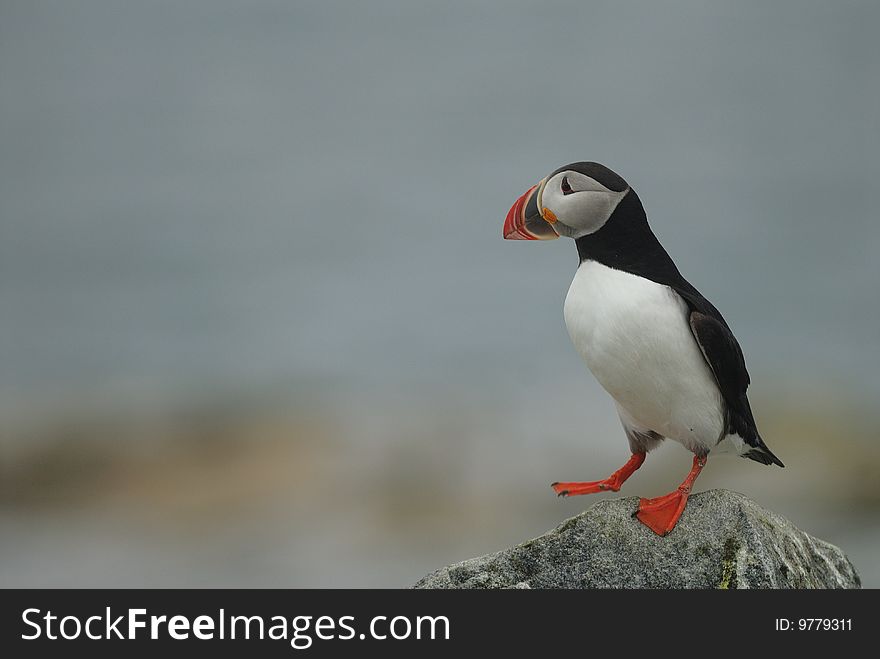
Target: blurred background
<point>257,323</point>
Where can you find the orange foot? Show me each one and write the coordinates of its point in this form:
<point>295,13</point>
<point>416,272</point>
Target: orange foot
<point>612,483</point>
<point>588,487</point>
<point>662,513</point>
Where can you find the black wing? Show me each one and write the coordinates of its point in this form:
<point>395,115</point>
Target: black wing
<point>722,353</point>
<point>725,358</point>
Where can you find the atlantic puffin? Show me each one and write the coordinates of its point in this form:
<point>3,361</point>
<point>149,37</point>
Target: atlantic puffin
<point>662,351</point>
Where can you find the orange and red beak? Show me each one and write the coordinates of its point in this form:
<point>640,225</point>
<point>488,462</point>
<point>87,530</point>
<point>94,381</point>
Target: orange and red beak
<point>525,220</point>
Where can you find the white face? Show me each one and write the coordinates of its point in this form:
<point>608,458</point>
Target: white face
<point>580,204</point>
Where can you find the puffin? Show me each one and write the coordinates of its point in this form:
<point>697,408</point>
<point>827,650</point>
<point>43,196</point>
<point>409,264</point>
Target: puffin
<point>661,350</point>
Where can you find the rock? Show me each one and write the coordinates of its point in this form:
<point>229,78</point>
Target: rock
<point>723,540</point>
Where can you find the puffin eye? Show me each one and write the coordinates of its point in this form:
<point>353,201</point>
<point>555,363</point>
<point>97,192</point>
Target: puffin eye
<point>566,188</point>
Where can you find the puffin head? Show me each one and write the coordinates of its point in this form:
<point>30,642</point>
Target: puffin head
<point>574,201</point>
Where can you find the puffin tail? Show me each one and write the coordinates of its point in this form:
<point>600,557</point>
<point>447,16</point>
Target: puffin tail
<point>760,453</point>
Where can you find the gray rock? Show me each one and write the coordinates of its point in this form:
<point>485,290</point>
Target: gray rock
<point>723,540</point>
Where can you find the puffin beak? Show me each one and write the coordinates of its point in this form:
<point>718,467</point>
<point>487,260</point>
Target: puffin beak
<point>524,219</point>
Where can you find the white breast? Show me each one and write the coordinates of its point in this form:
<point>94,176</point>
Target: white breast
<point>634,336</point>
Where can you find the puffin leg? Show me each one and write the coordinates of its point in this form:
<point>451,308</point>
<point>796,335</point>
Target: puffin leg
<point>662,513</point>
<point>612,483</point>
